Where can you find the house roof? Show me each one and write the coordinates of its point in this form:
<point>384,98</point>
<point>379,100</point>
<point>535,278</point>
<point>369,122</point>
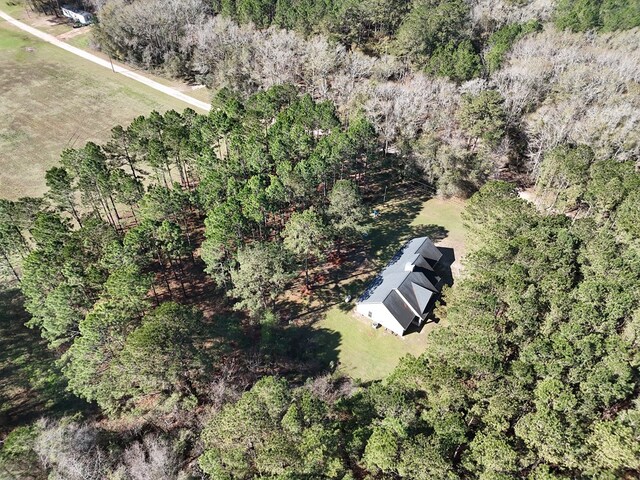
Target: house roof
<point>399,309</point>
<point>416,260</point>
<point>407,284</point>
<point>422,246</point>
<point>416,292</point>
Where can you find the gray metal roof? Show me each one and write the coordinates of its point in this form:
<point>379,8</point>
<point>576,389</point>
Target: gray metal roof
<point>408,278</point>
<point>422,246</point>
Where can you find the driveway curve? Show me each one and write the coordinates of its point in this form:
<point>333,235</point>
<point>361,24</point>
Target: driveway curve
<point>106,64</point>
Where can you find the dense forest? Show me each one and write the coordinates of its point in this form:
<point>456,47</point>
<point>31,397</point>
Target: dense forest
<point>528,81</point>
<point>159,266</point>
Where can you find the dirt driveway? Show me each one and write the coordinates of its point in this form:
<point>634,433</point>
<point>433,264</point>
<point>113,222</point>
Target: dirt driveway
<point>107,64</point>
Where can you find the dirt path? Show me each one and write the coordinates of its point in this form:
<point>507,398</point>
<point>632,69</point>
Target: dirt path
<point>106,64</point>
<point>76,32</point>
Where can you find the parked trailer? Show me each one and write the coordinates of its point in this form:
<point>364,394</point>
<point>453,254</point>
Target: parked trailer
<point>80,16</point>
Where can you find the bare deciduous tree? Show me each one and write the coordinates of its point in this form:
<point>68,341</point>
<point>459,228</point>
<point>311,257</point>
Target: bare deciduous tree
<point>70,451</point>
<point>575,88</point>
<point>489,14</point>
<point>151,459</point>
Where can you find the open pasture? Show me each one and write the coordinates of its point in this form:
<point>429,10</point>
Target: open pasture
<point>51,100</point>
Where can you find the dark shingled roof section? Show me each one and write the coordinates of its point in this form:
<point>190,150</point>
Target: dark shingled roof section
<point>419,261</point>
<point>399,309</point>
<point>394,274</point>
<point>416,291</point>
<point>425,247</point>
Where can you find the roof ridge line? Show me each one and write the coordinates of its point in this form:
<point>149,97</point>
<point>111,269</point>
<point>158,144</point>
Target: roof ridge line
<point>406,301</point>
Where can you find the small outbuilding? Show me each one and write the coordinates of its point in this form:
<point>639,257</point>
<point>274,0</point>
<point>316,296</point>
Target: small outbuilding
<point>405,291</point>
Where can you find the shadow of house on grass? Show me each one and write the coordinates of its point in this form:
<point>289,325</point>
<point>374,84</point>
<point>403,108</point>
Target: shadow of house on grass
<point>443,269</point>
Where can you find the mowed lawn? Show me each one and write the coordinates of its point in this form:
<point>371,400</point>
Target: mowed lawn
<point>446,213</point>
<point>367,353</point>
<point>50,100</point>
<point>371,354</point>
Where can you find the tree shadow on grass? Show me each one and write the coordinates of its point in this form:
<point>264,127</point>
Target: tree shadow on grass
<point>315,349</point>
<point>354,289</point>
<point>31,385</point>
<point>392,228</point>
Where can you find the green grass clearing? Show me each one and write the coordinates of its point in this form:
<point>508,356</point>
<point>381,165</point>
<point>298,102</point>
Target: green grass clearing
<point>50,100</point>
<point>82,41</point>
<point>12,7</point>
<point>446,213</point>
<point>371,354</point>
<point>367,353</point>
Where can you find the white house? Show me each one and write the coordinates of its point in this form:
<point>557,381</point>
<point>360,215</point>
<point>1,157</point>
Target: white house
<point>76,15</point>
<point>404,292</point>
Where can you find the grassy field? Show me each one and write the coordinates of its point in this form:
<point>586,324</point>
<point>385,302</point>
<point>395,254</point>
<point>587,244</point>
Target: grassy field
<point>370,354</point>
<point>50,100</point>
<point>12,7</point>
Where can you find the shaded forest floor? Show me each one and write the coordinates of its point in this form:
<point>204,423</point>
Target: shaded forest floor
<point>30,383</point>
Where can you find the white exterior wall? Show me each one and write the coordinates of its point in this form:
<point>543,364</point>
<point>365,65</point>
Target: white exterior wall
<point>364,309</point>
<point>86,18</point>
<point>381,315</point>
<point>69,13</point>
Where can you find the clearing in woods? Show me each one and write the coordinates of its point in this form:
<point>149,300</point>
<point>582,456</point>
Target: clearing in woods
<point>50,100</point>
<point>371,354</point>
